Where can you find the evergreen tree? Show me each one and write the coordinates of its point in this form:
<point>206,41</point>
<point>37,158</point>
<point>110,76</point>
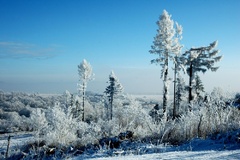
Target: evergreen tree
<point>200,60</point>
<point>85,74</point>
<point>112,89</point>
<point>163,47</point>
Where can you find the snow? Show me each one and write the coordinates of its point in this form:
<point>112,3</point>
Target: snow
<point>218,155</point>
<point>16,140</point>
<point>224,144</point>
<point>219,147</point>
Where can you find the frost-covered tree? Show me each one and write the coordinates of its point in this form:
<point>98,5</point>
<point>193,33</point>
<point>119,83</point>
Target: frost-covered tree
<point>39,122</point>
<point>199,88</point>
<point>73,103</point>
<point>112,89</point>
<point>62,127</point>
<point>177,47</point>
<point>179,93</point>
<point>85,74</point>
<point>200,60</point>
<point>163,47</point>
<point>69,99</point>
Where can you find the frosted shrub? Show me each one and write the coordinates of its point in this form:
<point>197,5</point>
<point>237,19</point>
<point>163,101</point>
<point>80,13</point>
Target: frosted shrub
<point>17,122</point>
<point>39,121</point>
<point>62,127</point>
<point>127,115</point>
<point>187,126</point>
<point>89,133</point>
<point>100,111</point>
<point>214,115</point>
<point>131,116</point>
<point>140,124</point>
<point>219,111</point>
<point>57,127</point>
<point>90,112</point>
<point>105,127</point>
<point>110,128</point>
<point>218,116</point>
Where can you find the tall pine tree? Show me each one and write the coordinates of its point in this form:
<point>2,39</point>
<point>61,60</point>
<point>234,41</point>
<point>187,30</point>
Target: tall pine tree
<point>163,47</point>
<point>112,89</point>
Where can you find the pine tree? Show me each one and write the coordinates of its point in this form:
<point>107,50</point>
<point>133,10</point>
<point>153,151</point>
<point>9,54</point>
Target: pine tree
<point>112,89</point>
<point>163,47</point>
<point>200,60</point>
<point>85,74</point>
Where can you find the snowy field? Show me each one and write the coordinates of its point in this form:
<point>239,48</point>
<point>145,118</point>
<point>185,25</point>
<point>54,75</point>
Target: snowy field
<point>178,155</point>
<point>225,147</point>
<point>195,149</point>
<point>17,140</point>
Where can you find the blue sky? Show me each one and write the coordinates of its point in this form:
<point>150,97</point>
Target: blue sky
<point>42,42</point>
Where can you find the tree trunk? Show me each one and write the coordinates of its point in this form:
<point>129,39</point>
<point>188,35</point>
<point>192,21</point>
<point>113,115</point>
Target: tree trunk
<point>190,97</point>
<point>8,145</point>
<point>174,94</point>
<point>165,89</point>
<point>83,102</point>
<point>178,93</point>
<point>199,125</point>
<point>111,107</point>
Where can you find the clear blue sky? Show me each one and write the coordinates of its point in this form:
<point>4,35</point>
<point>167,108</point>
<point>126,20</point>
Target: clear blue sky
<point>43,41</point>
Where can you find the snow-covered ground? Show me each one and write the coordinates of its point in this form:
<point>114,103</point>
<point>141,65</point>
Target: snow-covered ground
<point>222,146</point>
<point>17,140</point>
<point>212,155</point>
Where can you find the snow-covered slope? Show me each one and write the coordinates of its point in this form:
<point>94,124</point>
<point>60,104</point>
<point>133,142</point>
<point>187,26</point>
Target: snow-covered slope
<point>213,155</point>
<point>219,146</point>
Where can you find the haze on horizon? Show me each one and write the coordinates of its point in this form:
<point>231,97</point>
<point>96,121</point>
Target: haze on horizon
<point>42,42</point>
